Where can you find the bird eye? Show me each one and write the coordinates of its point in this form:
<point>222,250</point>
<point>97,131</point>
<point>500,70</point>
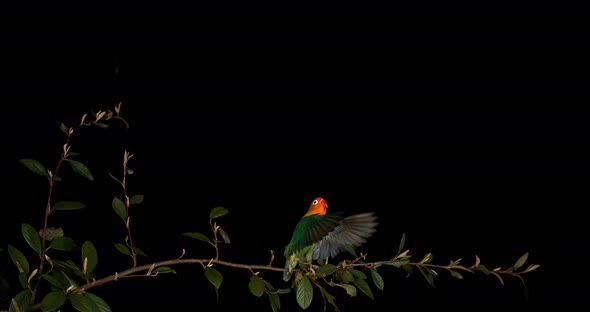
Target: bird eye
<point>315,202</point>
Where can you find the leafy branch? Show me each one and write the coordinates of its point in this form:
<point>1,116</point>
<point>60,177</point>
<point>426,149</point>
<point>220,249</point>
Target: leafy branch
<point>39,243</point>
<point>121,207</point>
<point>72,280</point>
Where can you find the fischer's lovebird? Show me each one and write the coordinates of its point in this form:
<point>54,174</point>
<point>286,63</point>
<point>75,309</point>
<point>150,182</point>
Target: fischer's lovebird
<point>322,235</point>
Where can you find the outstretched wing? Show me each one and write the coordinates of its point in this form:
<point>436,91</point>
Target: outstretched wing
<point>353,230</point>
<point>312,229</point>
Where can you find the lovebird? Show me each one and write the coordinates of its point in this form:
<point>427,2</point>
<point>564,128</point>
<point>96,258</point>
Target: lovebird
<point>322,235</point>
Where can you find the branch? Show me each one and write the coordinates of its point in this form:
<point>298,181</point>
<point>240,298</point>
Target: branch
<point>150,267</point>
<point>308,273</point>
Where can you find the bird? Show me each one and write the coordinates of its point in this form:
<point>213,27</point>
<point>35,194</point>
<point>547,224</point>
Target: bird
<point>323,235</point>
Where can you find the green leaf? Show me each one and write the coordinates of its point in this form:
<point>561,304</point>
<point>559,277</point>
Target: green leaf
<point>19,259</point>
<point>81,169</point>
<point>89,302</point>
<point>70,266</point>
<point>327,296</point>
<point>139,252</point>
<point>409,269</point>
<point>63,243</point>
<point>82,303</point>
<point>524,285</point>
<point>427,273</point>
<point>287,276</point>
<point>275,294</point>
<point>344,276</point>
<point>304,293</point>
<point>57,279</point>
<point>326,269</point>
<point>32,237</point>
<point>68,205</point>
<point>269,286</point>
<point>224,236</point>
<point>74,268</point>
<point>364,287</point>
<point>217,212</point>
<point>520,262</point>
<point>401,243</point>
<point>164,270</point>
<point>23,280</point>
<point>275,302</point>
<point>89,254</point>
<point>98,302</point>
<point>67,266</point>
<point>350,250</point>
<point>350,289</point>
<point>136,199</point>
<point>256,285</point>
<point>456,274</point>
<point>119,208</point>
<point>358,273</point>
<point>214,276</point>
<point>35,166</point>
<point>483,268</point>
<point>123,249</point>
<point>21,301</point>
<point>64,128</point>
<point>498,276</point>
<point>377,279</point>
<point>198,236</point>
<point>53,300</point>
<point>398,263</point>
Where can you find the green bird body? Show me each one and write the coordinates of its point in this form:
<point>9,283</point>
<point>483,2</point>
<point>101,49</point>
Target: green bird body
<point>322,235</point>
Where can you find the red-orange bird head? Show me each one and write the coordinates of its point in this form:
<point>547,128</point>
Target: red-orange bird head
<point>317,206</point>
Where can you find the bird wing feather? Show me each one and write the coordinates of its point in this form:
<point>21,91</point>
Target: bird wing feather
<point>312,229</point>
<point>353,231</point>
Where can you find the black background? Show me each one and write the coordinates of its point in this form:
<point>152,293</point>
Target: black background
<point>471,141</point>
